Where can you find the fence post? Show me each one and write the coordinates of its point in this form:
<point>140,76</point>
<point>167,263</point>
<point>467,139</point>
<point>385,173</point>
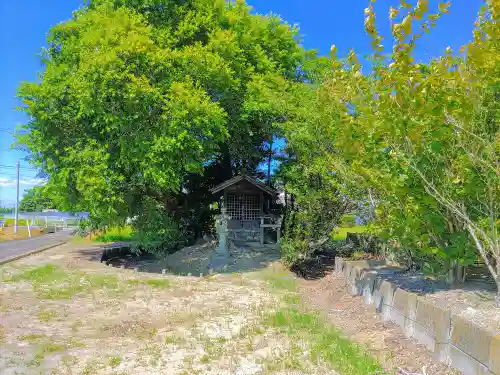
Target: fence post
<point>29,229</point>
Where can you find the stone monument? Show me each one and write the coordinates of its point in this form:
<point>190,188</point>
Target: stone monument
<point>221,254</point>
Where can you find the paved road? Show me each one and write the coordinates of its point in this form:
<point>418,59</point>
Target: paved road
<point>12,248</point>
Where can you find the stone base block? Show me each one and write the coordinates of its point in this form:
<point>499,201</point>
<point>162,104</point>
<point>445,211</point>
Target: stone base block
<point>467,364</point>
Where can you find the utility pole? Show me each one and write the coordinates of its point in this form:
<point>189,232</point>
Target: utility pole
<point>17,200</point>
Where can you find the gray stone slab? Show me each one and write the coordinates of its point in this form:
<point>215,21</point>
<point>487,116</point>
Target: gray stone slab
<point>367,284</point>
<point>432,328</point>
<point>383,294</point>
<point>467,364</point>
<point>479,343</point>
<point>339,264</point>
<point>347,272</point>
<point>354,281</point>
<point>404,306</point>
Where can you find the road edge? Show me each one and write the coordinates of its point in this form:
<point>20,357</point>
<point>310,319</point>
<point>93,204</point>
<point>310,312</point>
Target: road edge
<point>32,252</point>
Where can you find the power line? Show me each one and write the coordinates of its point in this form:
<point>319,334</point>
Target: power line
<point>14,167</point>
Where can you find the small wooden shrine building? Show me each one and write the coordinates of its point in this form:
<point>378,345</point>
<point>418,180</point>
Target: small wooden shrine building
<point>247,202</point>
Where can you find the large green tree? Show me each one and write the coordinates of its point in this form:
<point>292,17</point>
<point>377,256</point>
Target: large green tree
<point>138,94</point>
<point>37,199</point>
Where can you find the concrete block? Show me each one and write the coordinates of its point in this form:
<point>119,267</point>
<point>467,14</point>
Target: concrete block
<point>432,328</point>
<point>467,364</point>
<point>404,307</point>
<point>339,264</point>
<point>353,281</point>
<point>368,263</point>
<point>366,285</point>
<point>383,294</point>
<point>474,340</point>
<point>347,272</point>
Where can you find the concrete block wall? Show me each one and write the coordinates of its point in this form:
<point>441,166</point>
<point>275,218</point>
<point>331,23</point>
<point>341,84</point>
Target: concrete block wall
<point>452,339</point>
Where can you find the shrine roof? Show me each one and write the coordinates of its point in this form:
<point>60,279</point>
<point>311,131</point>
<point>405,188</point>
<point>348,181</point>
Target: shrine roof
<point>243,177</point>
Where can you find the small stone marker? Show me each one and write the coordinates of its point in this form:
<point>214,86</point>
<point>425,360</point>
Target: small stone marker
<point>164,271</point>
<point>189,274</point>
<point>211,271</point>
<point>122,266</point>
<point>136,269</point>
<point>201,274</point>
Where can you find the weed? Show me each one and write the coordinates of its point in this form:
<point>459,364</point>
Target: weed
<point>32,337</point>
<point>92,367</point>
<point>204,358</point>
<point>46,315</point>
<point>114,361</point>
<point>47,348</point>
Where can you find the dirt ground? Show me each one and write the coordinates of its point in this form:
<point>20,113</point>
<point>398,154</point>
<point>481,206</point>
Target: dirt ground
<point>64,312</point>
<point>61,312</point>
<point>7,233</point>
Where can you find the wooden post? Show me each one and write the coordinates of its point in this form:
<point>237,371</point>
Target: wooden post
<point>278,235</point>
<point>262,231</point>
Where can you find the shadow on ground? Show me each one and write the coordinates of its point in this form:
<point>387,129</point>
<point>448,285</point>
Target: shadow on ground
<point>195,260</point>
<point>316,267</point>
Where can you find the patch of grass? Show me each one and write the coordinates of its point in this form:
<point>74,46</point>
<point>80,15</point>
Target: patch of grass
<point>92,367</point>
<point>158,284</point>
<point>153,353</point>
<point>2,334</point>
<point>32,338</point>
<point>153,283</point>
<point>46,348</point>
<point>114,361</point>
<point>53,282</point>
<point>292,359</point>
<point>325,342</point>
<point>204,358</point>
<point>115,234</point>
<point>340,234</point>
<point>47,315</point>
<point>280,279</point>
<point>213,349</point>
<point>69,361</point>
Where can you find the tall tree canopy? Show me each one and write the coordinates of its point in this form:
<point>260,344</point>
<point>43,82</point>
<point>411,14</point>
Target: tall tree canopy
<point>138,94</point>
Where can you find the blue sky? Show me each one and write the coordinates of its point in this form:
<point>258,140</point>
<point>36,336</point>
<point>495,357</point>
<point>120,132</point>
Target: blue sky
<point>24,25</point>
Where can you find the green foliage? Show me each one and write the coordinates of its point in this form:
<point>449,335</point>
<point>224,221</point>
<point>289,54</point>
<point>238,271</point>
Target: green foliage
<point>10,222</point>
<point>156,231</point>
<point>348,220</point>
<point>340,234</point>
<point>137,97</point>
<point>36,200</point>
<point>114,234</point>
<point>415,142</point>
